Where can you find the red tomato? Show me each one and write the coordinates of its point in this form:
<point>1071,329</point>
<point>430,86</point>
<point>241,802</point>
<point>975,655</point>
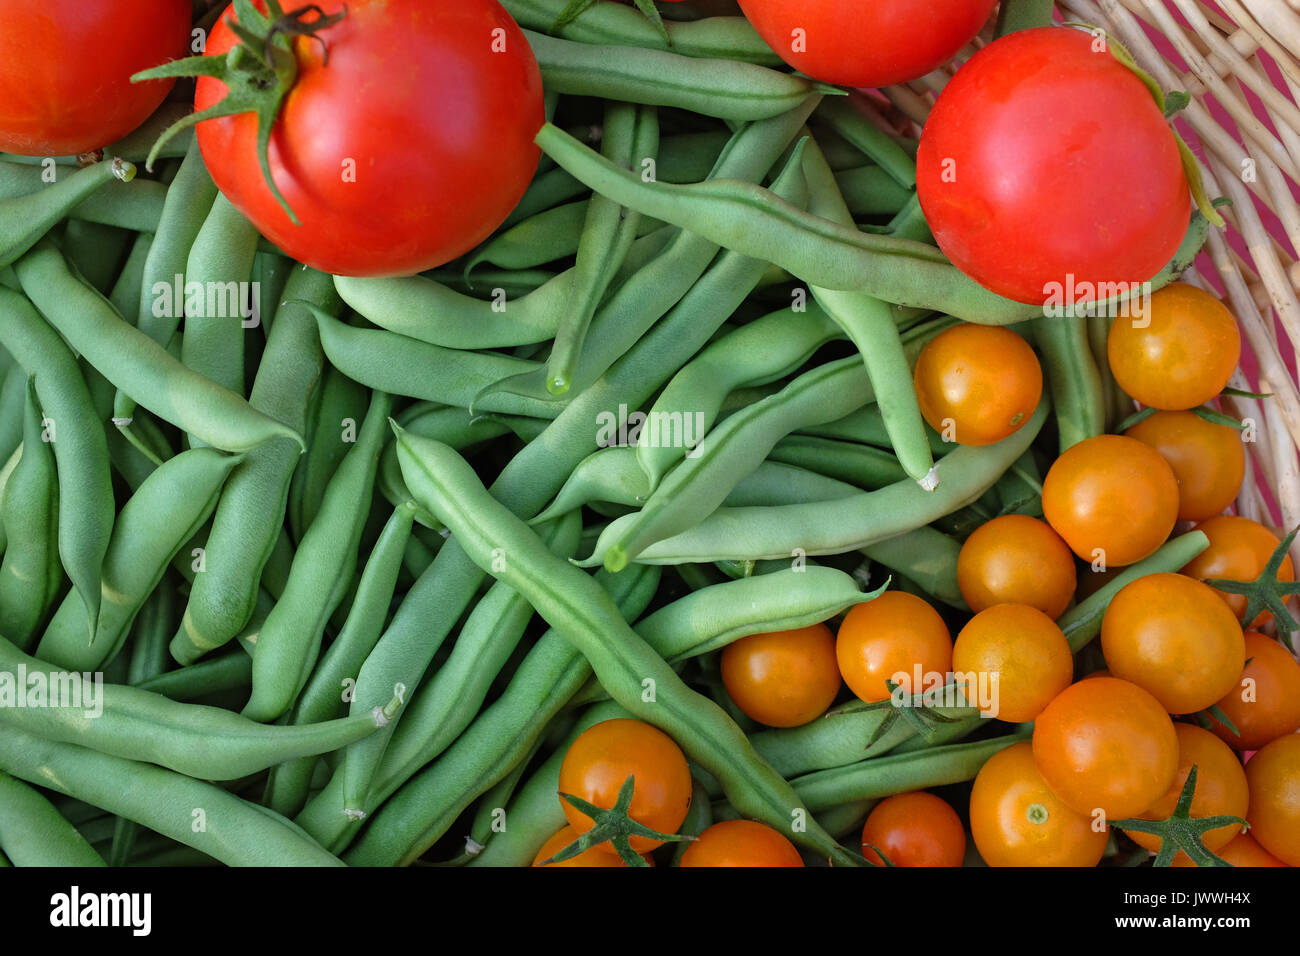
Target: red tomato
<point>867,44</point>
<point>914,829</point>
<point>66,65</point>
<point>1046,167</point>
<point>406,150</point>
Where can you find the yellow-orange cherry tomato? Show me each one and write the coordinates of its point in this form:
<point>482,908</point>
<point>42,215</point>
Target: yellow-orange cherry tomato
<point>1241,850</point>
<point>977,384</point>
<point>1178,356</point>
<point>1106,745</point>
<point>1208,460</point>
<point>914,829</point>
<point>741,843</point>
<point>1016,820</point>
<point>1265,704</point>
<point>1220,789</point>
<point>1239,549</point>
<point>600,760</point>
<point>1113,499</point>
<point>1016,559</point>
<point>1024,649</point>
<point>1273,775</point>
<point>783,678</point>
<point>892,636</point>
<point>1173,637</point>
<point>601,855</point>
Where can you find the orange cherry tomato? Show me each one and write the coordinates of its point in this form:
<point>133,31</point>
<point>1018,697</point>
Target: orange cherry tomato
<point>977,384</point>
<point>1016,820</point>
<point>1106,745</point>
<point>1220,789</point>
<point>602,855</point>
<point>601,759</point>
<point>1016,559</point>
<point>889,639</point>
<point>1208,460</point>
<point>1180,355</point>
<point>1239,549</point>
<point>741,843</point>
<point>1242,850</point>
<point>914,829</point>
<point>1265,704</point>
<point>1026,651</point>
<point>784,678</point>
<point>1113,499</point>
<point>1274,815</point>
<point>1172,636</point>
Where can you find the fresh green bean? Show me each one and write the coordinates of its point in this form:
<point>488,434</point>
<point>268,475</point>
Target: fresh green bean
<point>232,671</point>
<point>843,117</point>
<point>250,515</point>
<point>927,557</point>
<point>33,833</point>
<point>726,89</point>
<point>841,525</point>
<point>322,568</point>
<point>30,574</point>
<point>550,235</point>
<point>870,191</point>
<point>13,387</point>
<point>1072,376</point>
<point>867,427</point>
<point>774,483</point>
<point>29,215</point>
<point>168,507</point>
<point>621,659</point>
<point>848,462</point>
<point>189,811</point>
<point>80,447</point>
<point>204,742</point>
<point>136,364</point>
<point>96,252</point>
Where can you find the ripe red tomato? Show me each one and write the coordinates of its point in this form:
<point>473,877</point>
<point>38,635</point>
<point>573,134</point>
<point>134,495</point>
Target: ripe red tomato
<point>66,65</point>
<point>1175,639</point>
<point>1111,498</point>
<point>406,150</point>
<point>783,678</point>
<point>600,760</point>
<point>977,384</point>
<point>1041,120</point>
<point>1265,704</point>
<point>1106,745</point>
<point>1017,821</point>
<point>1208,460</point>
<point>914,829</point>
<point>741,843</point>
<point>867,44</point>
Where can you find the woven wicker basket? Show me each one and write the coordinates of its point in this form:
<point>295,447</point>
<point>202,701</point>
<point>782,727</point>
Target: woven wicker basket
<point>1240,62</point>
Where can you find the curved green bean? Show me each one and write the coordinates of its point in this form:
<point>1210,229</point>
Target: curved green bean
<point>27,217</point>
<point>33,833</point>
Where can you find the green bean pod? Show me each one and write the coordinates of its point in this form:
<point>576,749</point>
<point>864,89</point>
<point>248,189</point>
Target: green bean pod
<point>86,504</point>
<point>870,191</point>
<point>136,363</point>
<point>536,814</point>
<point>928,558</point>
<point>452,426</point>
<point>168,507</point>
<point>323,565</point>
<point>765,350</point>
<point>30,574</point>
<point>189,811</point>
<point>208,743</point>
<point>726,89</point>
<point>28,215</point>
<point>775,483</point>
<point>250,514</point>
<point>844,524</point>
<point>847,462</point>
<point>33,833</point>
<point>501,736</point>
<point>332,683</point>
<point>729,38</point>
<point>875,144</point>
<point>447,703</point>
<point>1072,376</point>
<point>570,600</point>
<point>94,251</point>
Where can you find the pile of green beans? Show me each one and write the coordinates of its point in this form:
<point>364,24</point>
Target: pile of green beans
<point>328,576</point>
